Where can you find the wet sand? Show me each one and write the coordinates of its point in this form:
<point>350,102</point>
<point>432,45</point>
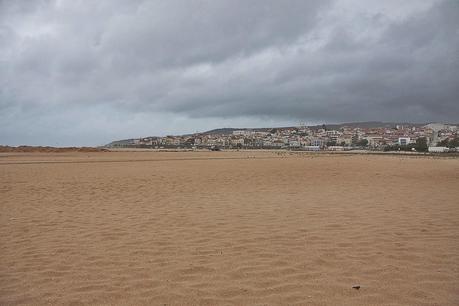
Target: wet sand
<point>228,228</point>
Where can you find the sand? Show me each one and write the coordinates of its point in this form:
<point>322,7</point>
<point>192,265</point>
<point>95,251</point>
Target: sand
<point>228,228</point>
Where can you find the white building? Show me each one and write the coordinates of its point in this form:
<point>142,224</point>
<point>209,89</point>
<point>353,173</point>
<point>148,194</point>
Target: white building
<point>294,143</point>
<point>317,142</point>
<point>438,149</point>
<point>335,148</point>
<point>404,141</point>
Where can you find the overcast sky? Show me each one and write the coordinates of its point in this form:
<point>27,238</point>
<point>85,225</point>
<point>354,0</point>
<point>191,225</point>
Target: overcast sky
<point>89,72</point>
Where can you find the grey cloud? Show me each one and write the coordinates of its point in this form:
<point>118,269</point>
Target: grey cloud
<point>404,74</point>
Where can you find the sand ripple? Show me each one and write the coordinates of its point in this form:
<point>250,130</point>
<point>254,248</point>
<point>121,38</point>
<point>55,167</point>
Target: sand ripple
<point>240,231</point>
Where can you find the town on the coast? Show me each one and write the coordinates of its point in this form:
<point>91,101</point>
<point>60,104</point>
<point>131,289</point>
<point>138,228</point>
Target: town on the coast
<point>433,137</point>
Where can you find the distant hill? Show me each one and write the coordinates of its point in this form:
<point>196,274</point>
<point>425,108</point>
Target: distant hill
<point>336,126</point>
<point>368,124</point>
<point>222,131</point>
<point>120,142</point>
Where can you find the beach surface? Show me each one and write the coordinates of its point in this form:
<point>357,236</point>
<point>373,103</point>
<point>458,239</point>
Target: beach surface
<point>228,228</point>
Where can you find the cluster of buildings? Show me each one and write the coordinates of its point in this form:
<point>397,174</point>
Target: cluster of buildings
<point>305,138</point>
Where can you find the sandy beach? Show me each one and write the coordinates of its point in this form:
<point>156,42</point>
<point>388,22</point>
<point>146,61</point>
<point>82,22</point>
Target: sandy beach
<point>228,228</point>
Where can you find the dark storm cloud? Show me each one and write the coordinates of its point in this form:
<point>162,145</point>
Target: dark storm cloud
<point>79,66</point>
<point>408,71</point>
